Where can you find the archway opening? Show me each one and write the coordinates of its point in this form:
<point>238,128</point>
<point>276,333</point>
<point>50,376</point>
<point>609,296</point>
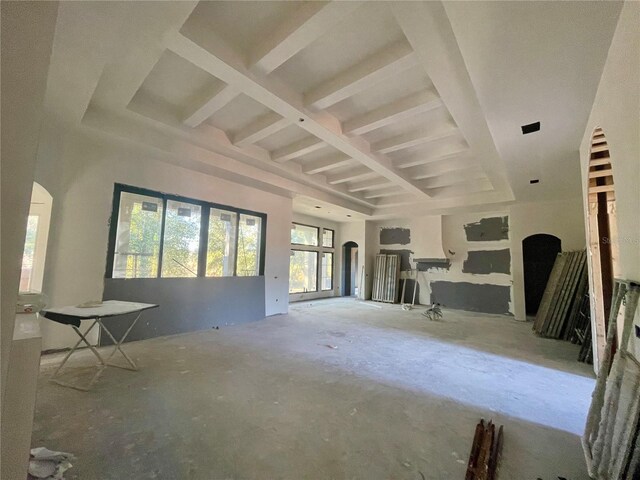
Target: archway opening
<point>539,253</point>
<point>35,245</point>
<point>603,238</point>
<point>349,269</point>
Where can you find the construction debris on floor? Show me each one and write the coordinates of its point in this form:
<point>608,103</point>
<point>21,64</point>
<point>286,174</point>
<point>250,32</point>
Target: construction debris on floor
<point>48,465</point>
<point>485,452</point>
<point>564,309</point>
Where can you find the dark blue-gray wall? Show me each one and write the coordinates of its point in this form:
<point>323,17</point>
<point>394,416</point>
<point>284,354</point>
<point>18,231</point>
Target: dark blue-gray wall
<point>186,304</point>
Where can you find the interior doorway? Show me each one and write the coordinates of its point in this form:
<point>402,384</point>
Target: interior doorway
<point>539,253</point>
<point>350,269</point>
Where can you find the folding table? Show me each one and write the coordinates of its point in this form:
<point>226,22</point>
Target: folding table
<point>98,313</point>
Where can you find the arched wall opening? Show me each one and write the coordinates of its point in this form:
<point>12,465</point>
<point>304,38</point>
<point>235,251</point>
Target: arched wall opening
<point>35,245</point>
<point>603,238</point>
<point>349,269</point>
<point>539,253</point>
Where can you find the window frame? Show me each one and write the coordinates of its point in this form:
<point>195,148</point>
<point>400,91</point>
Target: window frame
<point>318,238</point>
<point>322,254</point>
<point>319,249</point>
<point>317,254</point>
<point>205,207</point>
<point>333,238</point>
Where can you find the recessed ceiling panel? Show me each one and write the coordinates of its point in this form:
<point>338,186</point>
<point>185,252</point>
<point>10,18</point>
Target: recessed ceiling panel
<point>433,121</point>
<point>241,24</point>
<point>237,114</point>
<point>370,28</point>
<point>284,137</point>
<point>411,81</point>
<point>177,81</point>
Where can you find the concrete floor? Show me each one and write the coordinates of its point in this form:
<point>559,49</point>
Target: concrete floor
<point>399,397</point>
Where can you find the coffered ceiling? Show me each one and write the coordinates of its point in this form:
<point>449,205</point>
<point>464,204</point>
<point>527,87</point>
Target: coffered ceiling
<point>369,106</point>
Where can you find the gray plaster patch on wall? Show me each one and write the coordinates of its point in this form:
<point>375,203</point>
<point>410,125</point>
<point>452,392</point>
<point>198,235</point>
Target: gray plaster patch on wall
<point>474,297</point>
<point>488,230</point>
<point>426,266</point>
<point>395,236</point>
<point>405,257</point>
<point>487,261</point>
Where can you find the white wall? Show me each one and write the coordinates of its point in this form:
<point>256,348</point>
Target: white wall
<point>562,219</point>
<point>434,240</point>
<point>616,110</point>
<point>27,37</point>
<point>78,245</point>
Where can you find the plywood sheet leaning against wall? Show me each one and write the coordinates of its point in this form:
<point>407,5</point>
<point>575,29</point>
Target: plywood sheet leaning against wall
<point>562,296</point>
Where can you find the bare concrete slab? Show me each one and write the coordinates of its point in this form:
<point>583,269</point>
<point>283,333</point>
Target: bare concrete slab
<point>337,389</point>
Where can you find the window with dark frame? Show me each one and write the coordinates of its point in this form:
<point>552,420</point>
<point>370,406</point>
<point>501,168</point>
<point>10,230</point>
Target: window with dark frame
<point>311,263</point>
<point>153,235</point>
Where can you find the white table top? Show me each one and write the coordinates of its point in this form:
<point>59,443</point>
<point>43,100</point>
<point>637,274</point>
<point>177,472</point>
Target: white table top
<point>108,308</point>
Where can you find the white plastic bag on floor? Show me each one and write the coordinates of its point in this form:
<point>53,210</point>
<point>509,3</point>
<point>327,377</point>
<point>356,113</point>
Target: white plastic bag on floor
<point>49,465</point>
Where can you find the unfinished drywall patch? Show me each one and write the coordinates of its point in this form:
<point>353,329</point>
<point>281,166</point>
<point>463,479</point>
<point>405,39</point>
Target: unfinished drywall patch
<point>186,304</point>
<point>484,262</point>
<point>395,236</point>
<point>431,264</point>
<point>475,297</point>
<point>405,257</point>
<point>488,230</point>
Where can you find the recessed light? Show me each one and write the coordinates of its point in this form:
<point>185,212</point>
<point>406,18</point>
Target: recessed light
<point>530,128</point>
<point>318,206</point>
<point>535,180</point>
<point>301,119</point>
<point>348,215</point>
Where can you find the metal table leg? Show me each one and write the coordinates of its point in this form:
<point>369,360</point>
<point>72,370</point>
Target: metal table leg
<point>101,366</point>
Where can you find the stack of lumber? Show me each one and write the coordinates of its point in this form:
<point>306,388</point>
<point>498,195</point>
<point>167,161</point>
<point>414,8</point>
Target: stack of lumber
<point>485,452</point>
<point>558,314</point>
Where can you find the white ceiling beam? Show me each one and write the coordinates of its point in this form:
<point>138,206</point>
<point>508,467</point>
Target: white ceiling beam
<point>212,55</point>
<point>372,184</point>
<point>395,200</point>
<point>137,129</point>
<point>382,64</point>
<point>453,178</point>
<point>383,193</point>
<point>297,149</point>
<point>443,152</point>
<point>392,112</point>
<point>482,185</point>
<point>428,29</point>
<point>203,109</point>
<point>324,164</point>
<point>308,23</point>
<point>411,139</point>
<point>440,168</point>
<point>260,129</point>
<point>352,174</point>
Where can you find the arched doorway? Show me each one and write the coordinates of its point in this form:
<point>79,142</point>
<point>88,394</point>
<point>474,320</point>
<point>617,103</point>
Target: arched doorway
<point>603,237</point>
<point>35,245</point>
<point>349,269</point>
<point>539,253</point>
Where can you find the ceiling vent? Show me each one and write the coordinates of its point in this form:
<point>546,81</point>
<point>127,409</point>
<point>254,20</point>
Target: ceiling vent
<point>530,128</point>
